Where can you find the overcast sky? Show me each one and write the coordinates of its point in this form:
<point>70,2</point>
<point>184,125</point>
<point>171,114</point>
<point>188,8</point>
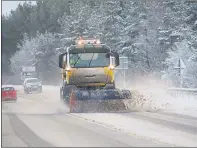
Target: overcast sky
<point>7,6</point>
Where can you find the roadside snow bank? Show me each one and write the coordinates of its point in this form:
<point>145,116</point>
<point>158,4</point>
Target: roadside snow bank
<point>156,97</point>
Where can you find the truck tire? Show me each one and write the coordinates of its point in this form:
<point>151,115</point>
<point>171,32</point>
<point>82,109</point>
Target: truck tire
<point>110,86</point>
<point>61,94</point>
<point>67,90</point>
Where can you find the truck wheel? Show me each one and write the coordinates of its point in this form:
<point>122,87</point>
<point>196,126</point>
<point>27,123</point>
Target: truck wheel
<point>114,85</point>
<point>110,86</point>
<point>67,92</point>
<point>61,94</point>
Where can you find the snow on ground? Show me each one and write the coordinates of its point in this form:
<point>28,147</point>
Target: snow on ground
<point>151,96</point>
<point>155,97</point>
<point>50,98</point>
<point>140,128</point>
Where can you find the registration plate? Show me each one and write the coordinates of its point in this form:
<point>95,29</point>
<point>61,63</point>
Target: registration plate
<point>89,46</point>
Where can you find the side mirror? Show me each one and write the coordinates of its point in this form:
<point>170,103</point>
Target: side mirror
<point>61,60</point>
<point>117,60</point>
<point>109,54</point>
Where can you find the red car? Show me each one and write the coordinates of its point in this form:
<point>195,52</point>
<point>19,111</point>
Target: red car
<point>8,93</point>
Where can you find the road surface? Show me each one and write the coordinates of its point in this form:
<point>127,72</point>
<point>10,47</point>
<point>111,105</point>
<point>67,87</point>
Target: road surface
<point>41,120</point>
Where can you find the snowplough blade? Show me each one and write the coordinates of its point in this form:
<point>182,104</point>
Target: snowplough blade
<point>98,101</point>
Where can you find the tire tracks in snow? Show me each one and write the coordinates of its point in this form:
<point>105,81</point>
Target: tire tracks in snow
<point>24,133</point>
<point>177,123</point>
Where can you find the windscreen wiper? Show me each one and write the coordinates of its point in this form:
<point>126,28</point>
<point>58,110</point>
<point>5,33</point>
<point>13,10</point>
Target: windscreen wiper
<point>77,60</point>
<point>91,59</point>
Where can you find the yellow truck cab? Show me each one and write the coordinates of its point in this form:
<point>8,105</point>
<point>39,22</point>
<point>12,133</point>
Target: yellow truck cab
<point>88,64</point>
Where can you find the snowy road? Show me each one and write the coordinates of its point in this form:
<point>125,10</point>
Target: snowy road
<point>41,120</point>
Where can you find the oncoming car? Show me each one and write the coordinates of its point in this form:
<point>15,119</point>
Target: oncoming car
<point>32,84</point>
<point>8,93</point>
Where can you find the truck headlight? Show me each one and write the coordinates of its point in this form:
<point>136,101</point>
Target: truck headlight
<point>111,67</point>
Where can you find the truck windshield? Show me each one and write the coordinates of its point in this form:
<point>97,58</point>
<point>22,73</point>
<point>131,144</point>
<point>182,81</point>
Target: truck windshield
<point>88,60</point>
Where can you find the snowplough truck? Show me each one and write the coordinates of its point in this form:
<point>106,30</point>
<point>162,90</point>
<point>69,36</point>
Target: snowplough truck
<point>87,69</point>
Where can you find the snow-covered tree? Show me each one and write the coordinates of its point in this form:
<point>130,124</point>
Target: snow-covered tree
<point>41,53</point>
<point>151,33</point>
<point>188,53</point>
<point>182,42</point>
<point>23,57</point>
